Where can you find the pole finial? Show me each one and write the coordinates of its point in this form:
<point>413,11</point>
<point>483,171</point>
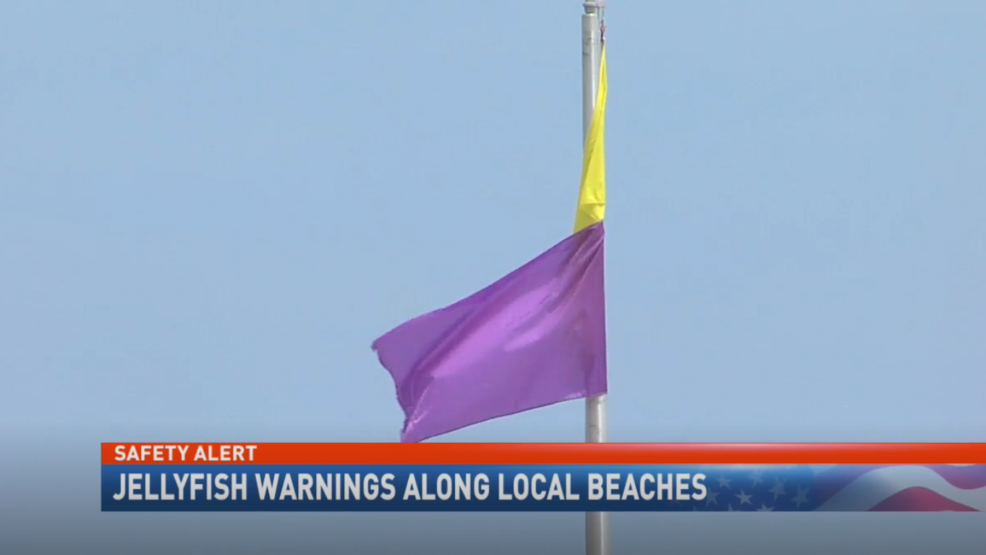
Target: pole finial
<point>594,6</point>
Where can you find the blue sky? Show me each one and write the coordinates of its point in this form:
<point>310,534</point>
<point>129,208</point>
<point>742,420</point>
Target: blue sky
<point>208,212</point>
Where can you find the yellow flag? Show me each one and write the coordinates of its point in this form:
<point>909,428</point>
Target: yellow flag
<point>592,194</point>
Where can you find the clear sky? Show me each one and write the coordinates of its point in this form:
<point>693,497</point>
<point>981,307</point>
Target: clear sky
<point>209,210</point>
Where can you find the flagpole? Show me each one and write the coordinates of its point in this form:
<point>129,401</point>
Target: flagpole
<point>597,533</point>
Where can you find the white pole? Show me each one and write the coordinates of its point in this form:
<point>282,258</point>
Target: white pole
<point>596,524</point>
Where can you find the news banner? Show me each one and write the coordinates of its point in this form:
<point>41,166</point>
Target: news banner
<point>543,477</point>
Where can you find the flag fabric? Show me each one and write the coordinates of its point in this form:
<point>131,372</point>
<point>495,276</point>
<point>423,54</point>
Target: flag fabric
<point>592,193</point>
<point>531,339</point>
<point>848,488</point>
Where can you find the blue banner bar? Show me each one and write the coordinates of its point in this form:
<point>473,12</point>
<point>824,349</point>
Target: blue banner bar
<point>576,488</point>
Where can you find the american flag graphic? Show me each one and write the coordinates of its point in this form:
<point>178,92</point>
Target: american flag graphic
<point>845,488</point>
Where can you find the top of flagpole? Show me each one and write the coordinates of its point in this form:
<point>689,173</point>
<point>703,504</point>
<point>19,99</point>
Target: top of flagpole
<point>592,40</point>
<point>597,7</point>
<point>594,6</point>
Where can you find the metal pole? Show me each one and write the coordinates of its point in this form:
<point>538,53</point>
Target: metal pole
<point>596,524</point>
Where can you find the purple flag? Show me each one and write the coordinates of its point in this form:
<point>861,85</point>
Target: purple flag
<point>534,338</point>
